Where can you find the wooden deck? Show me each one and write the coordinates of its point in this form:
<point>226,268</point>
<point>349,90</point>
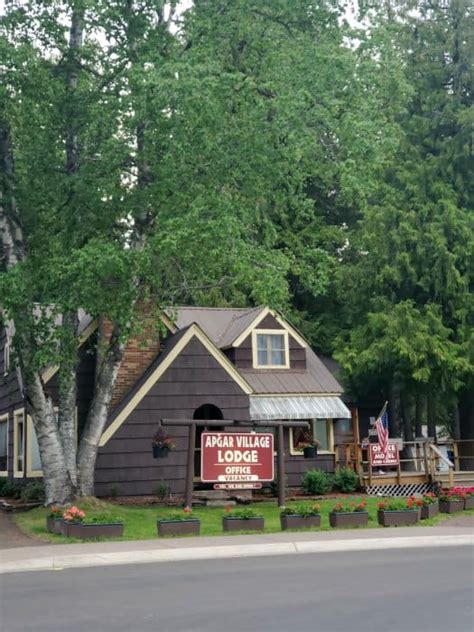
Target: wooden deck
<point>392,478</point>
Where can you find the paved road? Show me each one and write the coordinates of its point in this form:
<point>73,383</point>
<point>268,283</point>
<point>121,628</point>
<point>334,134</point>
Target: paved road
<point>404,590</point>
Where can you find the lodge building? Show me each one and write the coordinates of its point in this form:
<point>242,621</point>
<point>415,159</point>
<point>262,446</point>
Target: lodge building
<point>249,365</point>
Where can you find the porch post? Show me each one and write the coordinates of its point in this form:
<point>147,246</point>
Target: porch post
<point>188,503</point>
<point>281,468</point>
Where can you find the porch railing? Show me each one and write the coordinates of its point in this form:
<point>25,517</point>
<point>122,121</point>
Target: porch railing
<point>421,457</point>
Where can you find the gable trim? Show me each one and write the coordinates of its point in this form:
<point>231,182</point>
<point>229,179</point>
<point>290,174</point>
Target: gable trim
<point>298,337</point>
<point>194,331</point>
<point>51,371</point>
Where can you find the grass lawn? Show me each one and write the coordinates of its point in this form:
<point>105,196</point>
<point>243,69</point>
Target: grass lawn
<point>140,522</point>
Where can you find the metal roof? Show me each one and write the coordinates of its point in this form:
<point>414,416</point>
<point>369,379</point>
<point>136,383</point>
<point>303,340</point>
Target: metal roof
<point>269,408</point>
<point>222,324</point>
<point>315,379</point>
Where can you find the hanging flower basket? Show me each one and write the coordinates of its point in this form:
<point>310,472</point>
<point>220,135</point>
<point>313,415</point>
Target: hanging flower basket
<point>161,445</point>
<point>160,451</point>
<point>310,452</point>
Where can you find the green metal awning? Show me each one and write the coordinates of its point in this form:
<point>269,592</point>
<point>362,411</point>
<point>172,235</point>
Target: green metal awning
<point>298,407</point>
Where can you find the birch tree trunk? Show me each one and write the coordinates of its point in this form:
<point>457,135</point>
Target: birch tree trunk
<point>106,374</point>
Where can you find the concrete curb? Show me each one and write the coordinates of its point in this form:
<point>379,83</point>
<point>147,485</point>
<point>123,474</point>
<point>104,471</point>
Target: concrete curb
<point>61,562</point>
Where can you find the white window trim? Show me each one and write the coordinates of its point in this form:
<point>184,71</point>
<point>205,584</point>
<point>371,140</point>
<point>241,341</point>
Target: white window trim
<point>6,418</point>
<point>29,456</point>
<point>16,415</point>
<point>6,359</point>
<point>330,422</point>
<point>271,332</point>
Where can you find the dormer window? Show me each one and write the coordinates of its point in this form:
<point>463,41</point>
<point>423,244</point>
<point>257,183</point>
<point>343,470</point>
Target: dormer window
<point>270,349</point>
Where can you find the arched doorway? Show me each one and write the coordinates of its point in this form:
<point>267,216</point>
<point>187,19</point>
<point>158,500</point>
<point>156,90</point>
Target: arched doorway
<point>206,411</point>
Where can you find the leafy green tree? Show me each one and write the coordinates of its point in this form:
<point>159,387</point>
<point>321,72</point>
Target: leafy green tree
<point>408,275</point>
<point>189,158</point>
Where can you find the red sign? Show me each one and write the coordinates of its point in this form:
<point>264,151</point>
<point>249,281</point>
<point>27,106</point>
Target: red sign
<point>236,457</point>
<point>384,457</point>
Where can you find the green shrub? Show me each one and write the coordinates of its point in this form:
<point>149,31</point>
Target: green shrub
<point>346,480</point>
<point>3,481</point>
<point>12,489</point>
<point>161,490</point>
<point>242,514</point>
<point>33,491</point>
<point>317,482</point>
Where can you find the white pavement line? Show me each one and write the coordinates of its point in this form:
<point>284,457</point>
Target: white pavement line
<point>231,551</point>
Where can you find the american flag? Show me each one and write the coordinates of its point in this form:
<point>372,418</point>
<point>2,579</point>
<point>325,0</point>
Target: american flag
<point>381,425</point>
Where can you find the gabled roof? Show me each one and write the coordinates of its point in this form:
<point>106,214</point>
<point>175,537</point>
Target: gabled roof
<point>227,326</point>
<point>174,345</point>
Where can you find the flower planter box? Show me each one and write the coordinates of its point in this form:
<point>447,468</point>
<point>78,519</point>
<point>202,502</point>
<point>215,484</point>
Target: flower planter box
<point>160,452</point>
<point>53,525</point>
<point>84,530</point>
<point>243,524</point>
<point>399,518</point>
<point>299,522</point>
<point>348,519</point>
<point>178,527</point>
<point>429,511</point>
<point>311,452</point>
<point>451,506</point>
<point>469,502</point>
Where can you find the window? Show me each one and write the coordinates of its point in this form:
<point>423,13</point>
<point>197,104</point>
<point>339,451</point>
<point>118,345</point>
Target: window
<point>18,443</point>
<point>320,430</point>
<point>33,459</point>
<point>270,349</point>
<point>4,445</point>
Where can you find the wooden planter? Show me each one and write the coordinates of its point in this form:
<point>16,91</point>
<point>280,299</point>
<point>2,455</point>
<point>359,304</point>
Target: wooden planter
<point>469,502</point>
<point>348,519</point>
<point>84,530</point>
<point>179,527</point>
<point>399,518</point>
<point>429,511</point>
<point>53,525</point>
<point>310,452</point>
<point>296,521</point>
<point>243,524</point>
<point>160,452</point>
<point>451,506</point>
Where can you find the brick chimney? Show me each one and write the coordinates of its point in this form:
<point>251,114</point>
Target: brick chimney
<point>140,352</point>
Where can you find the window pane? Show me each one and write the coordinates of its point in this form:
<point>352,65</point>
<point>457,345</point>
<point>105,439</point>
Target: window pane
<point>19,443</point>
<point>35,453</point>
<point>320,432</point>
<point>278,357</point>
<point>3,445</point>
<point>261,341</point>
<point>277,342</point>
<point>262,357</point>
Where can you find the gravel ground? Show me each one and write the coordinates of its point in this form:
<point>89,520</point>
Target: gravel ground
<point>11,536</point>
